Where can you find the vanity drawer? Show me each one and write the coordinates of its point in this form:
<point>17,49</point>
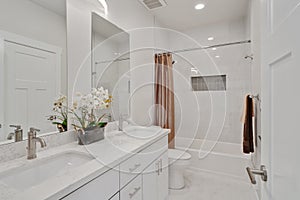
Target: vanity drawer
<point>133,191</point>
<point>102,187</point>
<point>135,165</point>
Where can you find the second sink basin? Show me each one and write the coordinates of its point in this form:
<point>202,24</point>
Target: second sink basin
<point>141,132</point>
<point>38,171</point>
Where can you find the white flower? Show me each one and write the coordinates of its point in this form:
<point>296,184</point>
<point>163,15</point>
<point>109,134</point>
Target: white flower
<point>94,90</point>
<point>78,94</point>
<point>87,106</point>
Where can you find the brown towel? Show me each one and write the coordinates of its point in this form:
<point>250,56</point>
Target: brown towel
<point>248,142</point>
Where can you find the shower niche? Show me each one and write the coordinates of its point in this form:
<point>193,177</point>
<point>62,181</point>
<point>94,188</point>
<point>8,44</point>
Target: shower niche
<point>209,83</point>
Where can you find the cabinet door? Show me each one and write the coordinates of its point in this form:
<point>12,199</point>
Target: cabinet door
<point>101,188</point>
<point>150,176</point>
<point>163,177</point>
<point>155,180</point>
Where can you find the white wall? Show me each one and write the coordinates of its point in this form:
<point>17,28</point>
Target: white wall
<point>130,16</point>
<point>28,19</point>
<point>213,115</point>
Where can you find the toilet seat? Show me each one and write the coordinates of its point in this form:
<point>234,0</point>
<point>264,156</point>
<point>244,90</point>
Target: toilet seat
<point>178,154</point>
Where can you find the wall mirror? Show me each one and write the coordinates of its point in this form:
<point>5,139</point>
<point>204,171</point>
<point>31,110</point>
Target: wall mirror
<point>111,63</point>
<point>33,66</point>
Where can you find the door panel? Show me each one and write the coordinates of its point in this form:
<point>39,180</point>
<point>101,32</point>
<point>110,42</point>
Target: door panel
<point>284,139</point>
<point>280,98</point>
<point>31,86</point>
<point>282,9</point>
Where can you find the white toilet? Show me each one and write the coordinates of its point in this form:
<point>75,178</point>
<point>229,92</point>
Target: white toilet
<point>178,160</point>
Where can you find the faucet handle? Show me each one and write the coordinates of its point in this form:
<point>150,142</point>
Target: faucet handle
<point>15,126</point>
<point>32,130</point>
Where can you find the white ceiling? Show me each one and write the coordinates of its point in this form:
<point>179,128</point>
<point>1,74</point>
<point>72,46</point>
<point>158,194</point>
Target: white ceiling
<point>181,14</point>
<point>108,30</point>
<point>57,6</point>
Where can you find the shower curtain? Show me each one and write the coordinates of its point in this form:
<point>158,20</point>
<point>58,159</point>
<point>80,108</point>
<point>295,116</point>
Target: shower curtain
<point>164,96</point>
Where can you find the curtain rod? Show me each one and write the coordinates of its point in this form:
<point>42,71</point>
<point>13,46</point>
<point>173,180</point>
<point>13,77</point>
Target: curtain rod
<point>209,47</point>
<point>184,50</point>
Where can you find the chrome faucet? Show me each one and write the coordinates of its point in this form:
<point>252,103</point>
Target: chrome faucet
<point>32,140</point>
<point>17,134</point>
<point>122,118</point>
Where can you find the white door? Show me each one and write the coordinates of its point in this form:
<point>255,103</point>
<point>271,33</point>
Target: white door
<point>31,85</point>
<point>281,98</point>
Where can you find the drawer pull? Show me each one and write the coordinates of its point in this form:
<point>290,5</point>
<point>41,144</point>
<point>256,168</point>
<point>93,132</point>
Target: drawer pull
<point>136,190</point>
<point>157,165</point>
<point>161,166</point>
<point>136,166</point>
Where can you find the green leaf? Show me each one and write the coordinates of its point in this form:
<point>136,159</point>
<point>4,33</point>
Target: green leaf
<point>102,124</point>
<point>56,123</point>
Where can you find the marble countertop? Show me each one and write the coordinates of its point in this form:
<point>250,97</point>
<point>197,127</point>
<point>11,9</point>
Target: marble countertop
<point>108,154</point>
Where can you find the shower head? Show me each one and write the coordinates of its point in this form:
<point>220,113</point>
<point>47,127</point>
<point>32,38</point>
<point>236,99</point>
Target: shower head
<point>174,62</point>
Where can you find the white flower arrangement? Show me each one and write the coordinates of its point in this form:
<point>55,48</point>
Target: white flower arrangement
<point>60,118</point>
<point>85,109</point>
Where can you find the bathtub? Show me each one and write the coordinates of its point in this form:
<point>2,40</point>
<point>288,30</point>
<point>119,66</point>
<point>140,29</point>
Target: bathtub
<point>218,173</point>
<point>216,157</point>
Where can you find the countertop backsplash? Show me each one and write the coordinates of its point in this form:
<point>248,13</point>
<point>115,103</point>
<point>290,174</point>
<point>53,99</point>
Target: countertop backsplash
<point>11,151</point>
<point>16,150</point>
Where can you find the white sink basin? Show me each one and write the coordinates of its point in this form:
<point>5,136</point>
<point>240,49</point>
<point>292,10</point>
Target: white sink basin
<point>141,132</point>
<point>38,171</point>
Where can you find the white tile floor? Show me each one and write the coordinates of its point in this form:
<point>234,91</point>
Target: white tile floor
<point>208,186</point>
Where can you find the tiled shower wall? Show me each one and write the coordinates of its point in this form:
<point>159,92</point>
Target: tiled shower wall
<point>212,115</point>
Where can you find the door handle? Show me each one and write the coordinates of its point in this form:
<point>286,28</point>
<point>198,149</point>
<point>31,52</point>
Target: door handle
<point>262,172</point>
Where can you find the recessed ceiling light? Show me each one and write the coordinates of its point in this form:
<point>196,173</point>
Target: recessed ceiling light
<point>199,6</point>
<point>217,56</point>
<point>214,49</point>
<point>210,38</point>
